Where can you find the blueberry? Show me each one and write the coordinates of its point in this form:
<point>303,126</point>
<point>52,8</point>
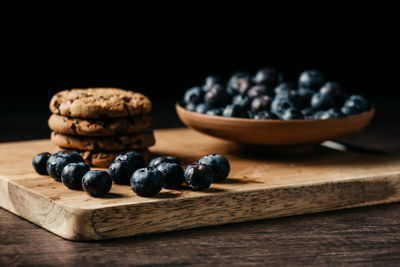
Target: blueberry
<point>72,174</point>
<point>202,108</point>
<point>321,101</point>
<point>215,111</point>
<point>190,106</point>
<point>308,112</point>
<point>59,160</point>
<point>210,81</point>
<point>332,113</point>
<point>235,111</point>
<point>173,174</point>
<point>311,79</point>
<point>258,90</point>
<point>218,165</point>
<point>198,176</point>
<point>264,115</point>
<point>318,115</point>
<point>124,165</point>
<point>334,89</point>
<point>291,94</point>
<point>267,76</point>
<point>292,114</point>
<point>96,183</point>
<point>280,104</point>
<point>71,154</point>
<point>216,96</point>
<point>193,95</point>
<point>147,182</point>
<point>305,96</point>
<point>133,157</point>
<point>170,159</point>
<point>283,87</point>
<point>239,83</point>
<point>347,111</point>
<point>251,114</point>
<point>261,103</point>
<point>39,163</point>
<point>241,100</point>
<point>357,102</point>
<point>121,171</point>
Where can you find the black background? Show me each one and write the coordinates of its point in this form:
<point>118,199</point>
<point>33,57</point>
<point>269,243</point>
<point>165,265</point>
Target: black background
<point>162,53</point>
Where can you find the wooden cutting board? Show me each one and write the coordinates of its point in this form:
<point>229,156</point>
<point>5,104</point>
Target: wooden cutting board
<point>260,185</point>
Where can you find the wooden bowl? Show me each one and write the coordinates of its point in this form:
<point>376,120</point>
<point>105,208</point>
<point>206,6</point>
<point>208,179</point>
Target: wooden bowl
<point>274,132</point>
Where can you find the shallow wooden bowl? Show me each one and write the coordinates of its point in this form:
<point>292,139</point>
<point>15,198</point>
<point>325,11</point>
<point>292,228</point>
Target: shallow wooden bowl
<point>274,132</point>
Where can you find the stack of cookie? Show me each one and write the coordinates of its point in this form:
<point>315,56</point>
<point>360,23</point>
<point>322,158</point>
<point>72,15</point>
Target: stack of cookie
<point>100,123</point>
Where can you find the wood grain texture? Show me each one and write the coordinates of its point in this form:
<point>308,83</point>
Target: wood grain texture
<point>259,187</point>
<point>368,236</point>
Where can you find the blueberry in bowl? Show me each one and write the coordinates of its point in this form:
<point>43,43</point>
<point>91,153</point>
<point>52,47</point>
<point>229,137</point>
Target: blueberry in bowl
<point>357,102</point>
<point>202,108</point>
<point>284,87</point>
<point>242,100</point>
<point>258,90</point>
<point>235,111</point>
<point>292,114</point>
<point>333,113</point>
<point>304,97</point>
<point>311,79</point>
<point>215,112</point>
<point>216,96</point>
<point>334,89</point>
<point>239,83</point>
<point>322,101</point>
<point>264,115</point>
<point>261,103</point>
<point>273,111</point>
<point>210,81</point>
<point>244,95</point>
<point>267,76</point>
<point>190,106</point>
<point>194,95</point>
<point>282,103</point>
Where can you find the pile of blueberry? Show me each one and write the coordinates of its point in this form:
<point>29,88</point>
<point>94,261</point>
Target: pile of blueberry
<point>129,168</point>
<point>268,96</point>
<point>68,167</point>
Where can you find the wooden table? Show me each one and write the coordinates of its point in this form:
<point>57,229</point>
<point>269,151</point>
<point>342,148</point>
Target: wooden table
<point>361,236</point>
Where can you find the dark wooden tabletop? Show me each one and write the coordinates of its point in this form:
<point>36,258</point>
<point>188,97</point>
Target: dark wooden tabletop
<point>360,236</point>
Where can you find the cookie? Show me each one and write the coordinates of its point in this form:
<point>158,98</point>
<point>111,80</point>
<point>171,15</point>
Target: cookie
<point>103,159</point>
<point>96,103</point>
<point>108,143</point>
<point>104,127</point>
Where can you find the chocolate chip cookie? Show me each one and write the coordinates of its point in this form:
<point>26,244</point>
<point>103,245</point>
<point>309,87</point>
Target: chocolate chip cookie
<point>97,127</point>
<point>98,103</point>
<point>106,143</point>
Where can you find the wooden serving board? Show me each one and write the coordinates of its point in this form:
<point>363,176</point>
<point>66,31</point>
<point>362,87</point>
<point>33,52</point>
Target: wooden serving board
<point>258,187</point>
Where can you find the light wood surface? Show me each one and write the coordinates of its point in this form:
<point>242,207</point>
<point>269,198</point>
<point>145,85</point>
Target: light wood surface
<point>258,187</point>
<point>274,132</point>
